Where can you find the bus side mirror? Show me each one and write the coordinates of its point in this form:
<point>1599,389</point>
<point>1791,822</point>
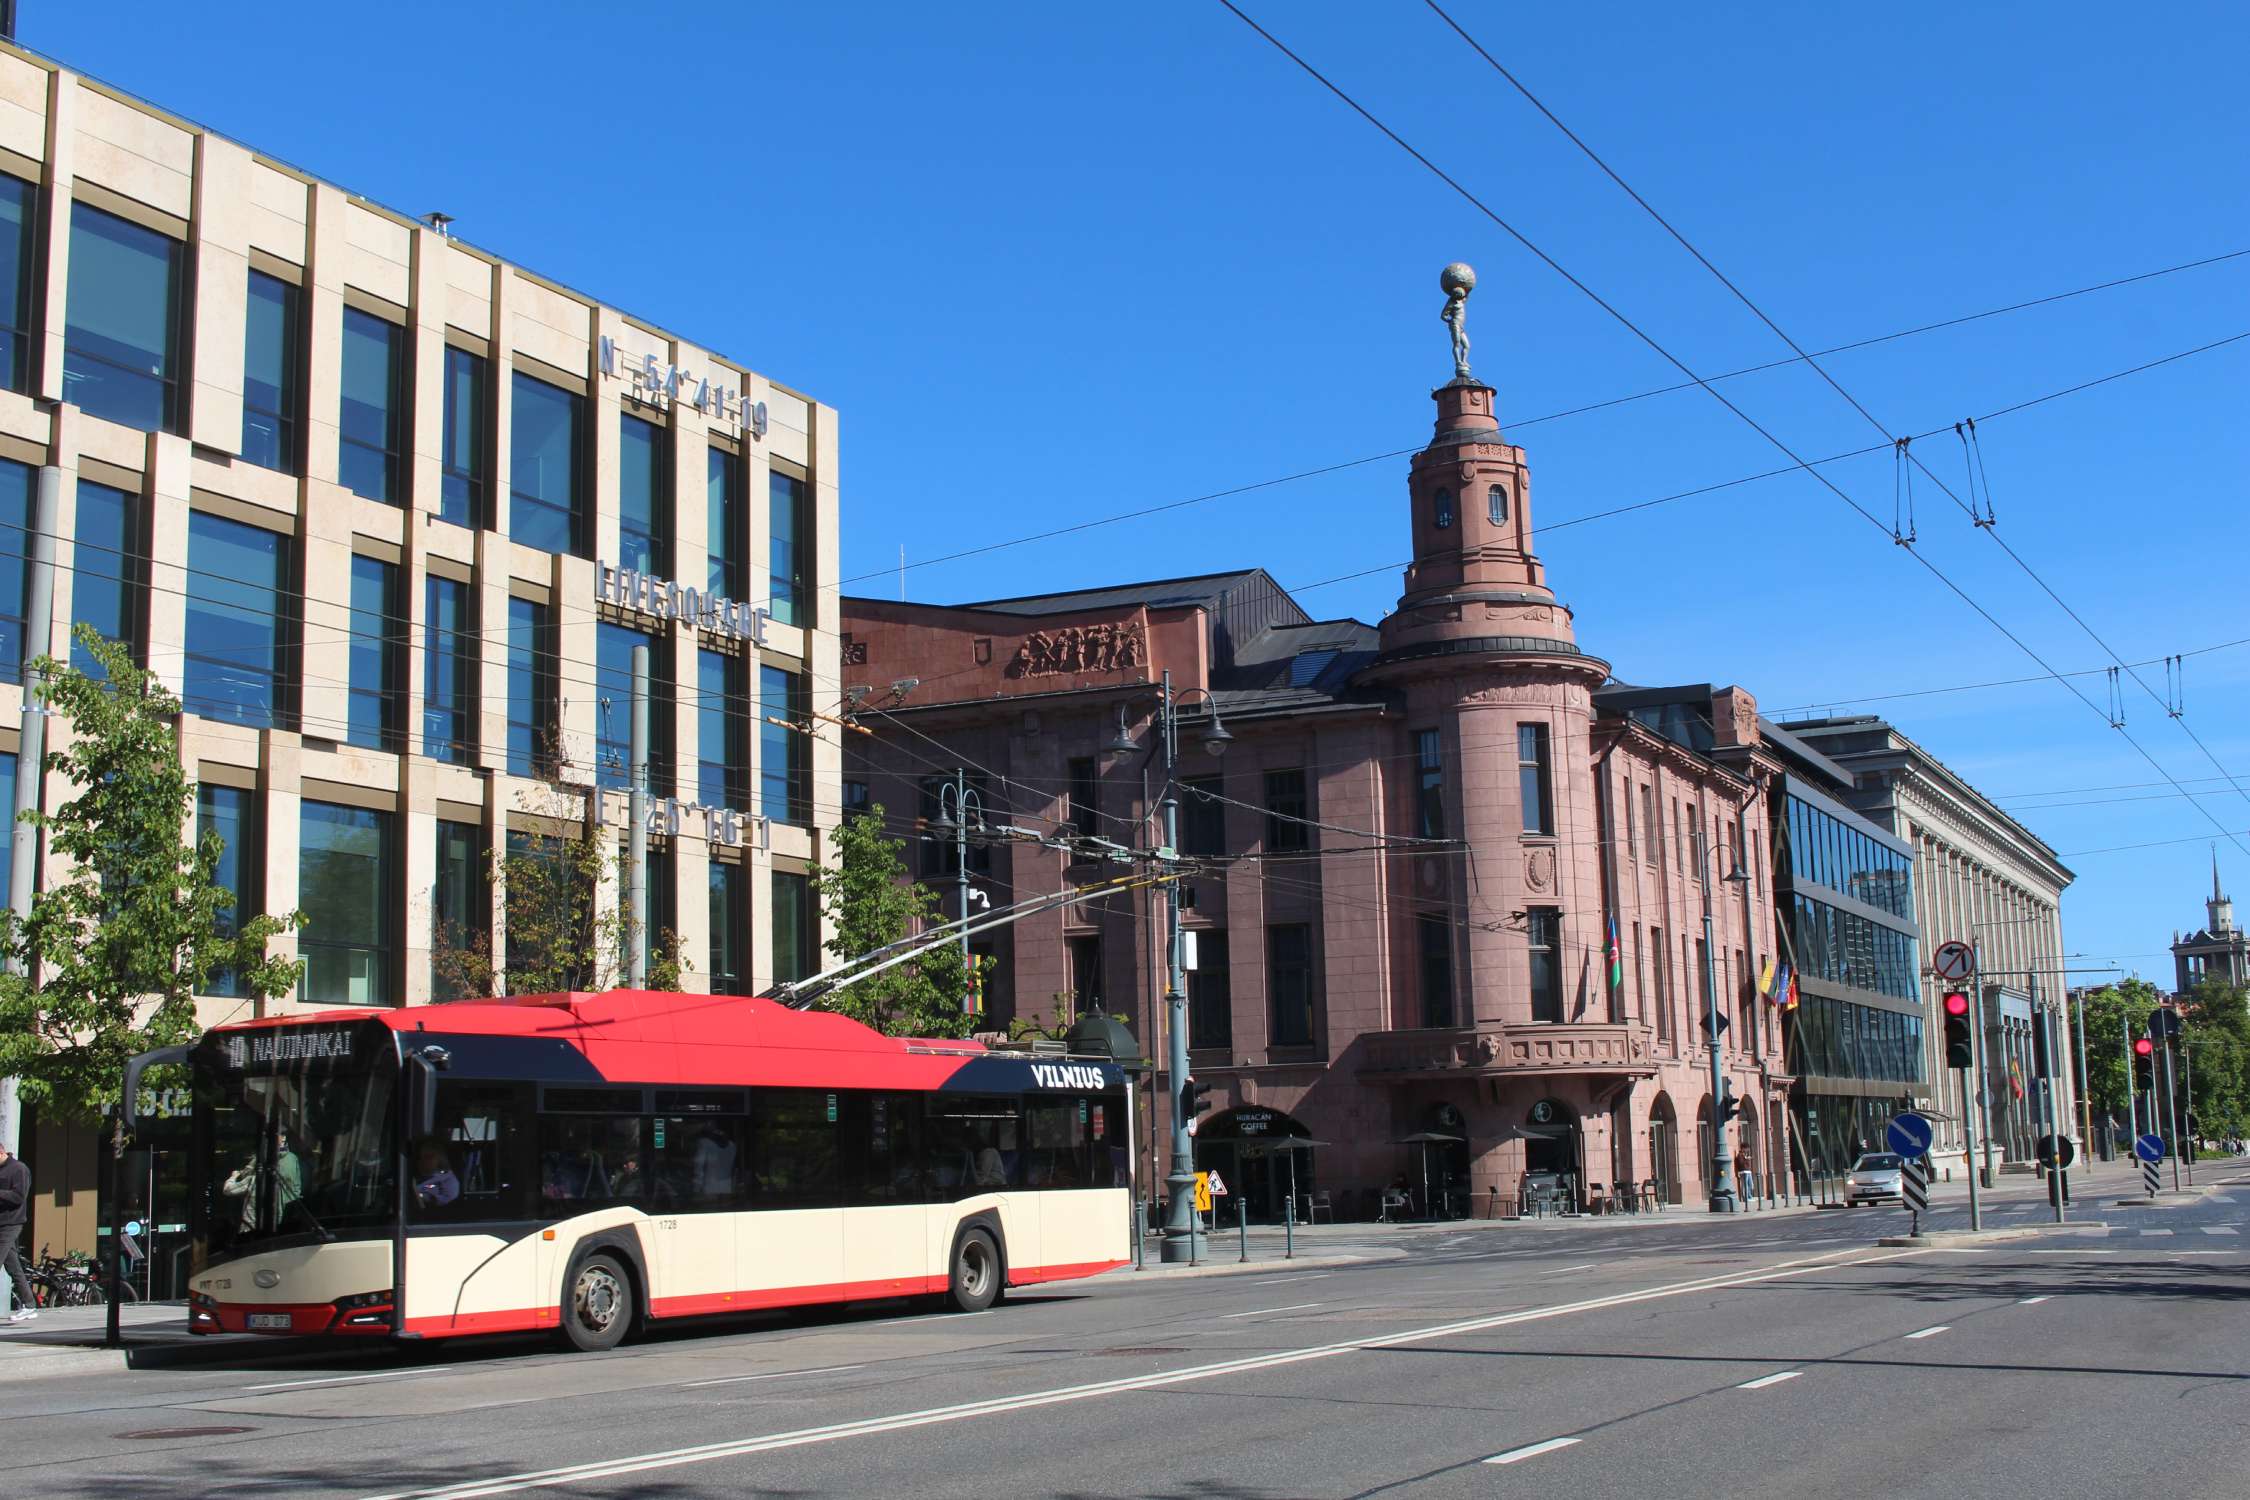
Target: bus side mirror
<point>424,1065</point>
<point>134,1068</point>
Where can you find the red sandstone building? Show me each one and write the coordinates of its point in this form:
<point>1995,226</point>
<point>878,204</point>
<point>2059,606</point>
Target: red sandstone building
<point>1422,834</point>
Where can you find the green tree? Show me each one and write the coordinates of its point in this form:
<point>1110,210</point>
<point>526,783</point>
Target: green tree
<point>2216,1017</point>
<point>557,937</point>
<point>132,922</point>
<point>869,902</point>
<point>2111,1012</point>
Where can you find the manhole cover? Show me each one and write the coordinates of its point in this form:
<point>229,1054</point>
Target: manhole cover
<point>185,1432</point>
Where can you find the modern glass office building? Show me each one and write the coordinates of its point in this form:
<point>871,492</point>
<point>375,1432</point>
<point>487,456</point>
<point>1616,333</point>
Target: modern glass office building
<point>389,514</point>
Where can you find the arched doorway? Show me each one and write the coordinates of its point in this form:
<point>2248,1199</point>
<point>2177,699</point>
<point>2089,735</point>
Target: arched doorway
<point>1249,1148</point>
<point>1664,1149</point>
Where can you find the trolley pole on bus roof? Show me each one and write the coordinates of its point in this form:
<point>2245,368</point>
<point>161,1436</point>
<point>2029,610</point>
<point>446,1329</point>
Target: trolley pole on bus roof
<point>636,835</point>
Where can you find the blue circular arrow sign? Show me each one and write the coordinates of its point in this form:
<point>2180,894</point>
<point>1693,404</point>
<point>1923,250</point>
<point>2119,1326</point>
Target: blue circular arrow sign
<point>1910,1135</point>
<point>2149,1147</point>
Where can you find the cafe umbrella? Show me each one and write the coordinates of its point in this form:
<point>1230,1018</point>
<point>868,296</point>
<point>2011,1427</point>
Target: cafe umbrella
<point>1425,1139</point>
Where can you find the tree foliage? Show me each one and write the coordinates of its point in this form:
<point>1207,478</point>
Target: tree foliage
<point>868,903</point>
<point>132,922</point>
<point>2215,1027</point>
<point>557,935</point>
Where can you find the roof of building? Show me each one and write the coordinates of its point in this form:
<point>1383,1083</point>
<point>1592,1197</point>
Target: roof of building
<point>1205,589</point>
<point>1839,728</point>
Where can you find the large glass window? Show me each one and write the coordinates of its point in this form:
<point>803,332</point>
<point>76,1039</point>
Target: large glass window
<point>345,863</point>
<point>1289,984</point>
<point>231,812</point>
<point>16,482</point>
<point>613,705</point>
<point>377,698</point>
<point>1210,995</point>
<point>1286,812</point>
<point>465,460</point>
<point>1543,926</point>
<point>121,332</point>
<point>722,730</point>
<point>19,219</point>
<point>789,560</point>
<point>1429,784</point>
<point>784,753</point>
<point>371,418</point>
<point>460,903</point>
<point>449,671</point>
<point>796,938</point>
<point>546,462</point>
<point>1436,944</point>
<point>1535,782</point>
<point>644,497</point>
<point>271,387</point>
<point>241,614</point>
<point>531,687</point>
<point>107,571</point>
<point>1845,947</point>
<point>725,537</point>
<point>729,963</point>
<point>1088,974</point>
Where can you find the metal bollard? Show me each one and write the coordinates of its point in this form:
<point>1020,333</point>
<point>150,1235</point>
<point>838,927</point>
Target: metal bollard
<point>1242,1223</point>
<point>1289,1230</point>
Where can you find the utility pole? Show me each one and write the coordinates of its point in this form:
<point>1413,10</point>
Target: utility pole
<point>1983,1062</point>
<point>23,847</point>
<point>961,854</point>
<point>2187,1065</point>
<point>1180,1228</point>
<point>2132,1080</point>
<point>1722,1157</point>
<point>2085,1105</point>
<point>2171,1123</point>
<point>636,836</point>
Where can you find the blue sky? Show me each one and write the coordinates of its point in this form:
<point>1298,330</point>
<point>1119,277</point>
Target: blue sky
<point>1054,263</point>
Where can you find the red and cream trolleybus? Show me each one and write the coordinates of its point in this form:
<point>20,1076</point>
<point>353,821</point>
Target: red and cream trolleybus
<point>584,1162</point>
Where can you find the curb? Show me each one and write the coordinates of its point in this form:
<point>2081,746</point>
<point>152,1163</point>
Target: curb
<point>1948,1238</point>
<point>2184,1198</point>
<point>61,1361</point>
<point>1157,1271</point>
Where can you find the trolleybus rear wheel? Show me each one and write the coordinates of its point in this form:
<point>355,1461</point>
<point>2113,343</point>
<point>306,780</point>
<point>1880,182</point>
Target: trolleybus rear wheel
<point>976,1272</point>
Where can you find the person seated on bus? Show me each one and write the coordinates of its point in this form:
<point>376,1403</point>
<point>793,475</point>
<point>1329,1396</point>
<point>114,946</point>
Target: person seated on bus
<point>435,1185</point>
<point>564,1174</point>
<point>713,1164</point>
<point>625,1181</point>
<point>990,1171</point>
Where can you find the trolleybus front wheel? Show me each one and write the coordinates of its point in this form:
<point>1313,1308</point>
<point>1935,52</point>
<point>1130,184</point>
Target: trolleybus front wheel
<point>597,1309</point>
<point>976,1272</point>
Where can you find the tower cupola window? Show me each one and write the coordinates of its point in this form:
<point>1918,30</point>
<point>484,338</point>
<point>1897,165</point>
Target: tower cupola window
<point>1496,504</point>
<point>1444,508</point>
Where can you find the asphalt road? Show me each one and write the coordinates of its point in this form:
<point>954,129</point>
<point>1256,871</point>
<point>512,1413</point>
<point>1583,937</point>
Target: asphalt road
<point>1750,1357</point>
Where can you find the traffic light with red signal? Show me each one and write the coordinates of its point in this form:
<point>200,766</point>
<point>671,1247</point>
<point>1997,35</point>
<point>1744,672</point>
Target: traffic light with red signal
<point>1959,1053</point>
<point>2144,1064</point>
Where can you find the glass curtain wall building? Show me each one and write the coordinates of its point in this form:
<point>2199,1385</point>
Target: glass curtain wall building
<point>347,486</point>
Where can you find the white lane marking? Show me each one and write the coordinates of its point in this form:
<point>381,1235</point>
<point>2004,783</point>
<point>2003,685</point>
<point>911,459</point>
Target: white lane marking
<point>1930,1332</point>
<point>2220,1229</point>
<point>923,1318</point>
<point>1765,1380</point>
<point>1562,1270</point>
<point>2034,1301</point>
<point>2222,1198</point>
<point>2070,1252</point>
<point>1263,1311</point>
<point>771,1375</point>
<point>506,1484</point>
<point>1518,1455</point>
<point>290,1385</point>
<point>2155,1232</point>
<point>1300,1276</point>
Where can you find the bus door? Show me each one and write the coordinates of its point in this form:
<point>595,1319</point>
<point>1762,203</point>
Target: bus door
<point>790,1244</point>
<point>696,1139</point>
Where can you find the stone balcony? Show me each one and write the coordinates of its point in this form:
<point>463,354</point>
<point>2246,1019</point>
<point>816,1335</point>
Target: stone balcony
<point>1537,1050</point>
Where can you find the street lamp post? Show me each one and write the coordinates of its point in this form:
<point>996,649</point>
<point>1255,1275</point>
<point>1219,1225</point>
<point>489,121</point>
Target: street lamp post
<point>1722,1156</point>
<point>958,805</point>
<point>1180,1234</point>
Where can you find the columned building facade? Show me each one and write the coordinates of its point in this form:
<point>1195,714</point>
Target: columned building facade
<point>389,514</point>
<point>1981,877</point>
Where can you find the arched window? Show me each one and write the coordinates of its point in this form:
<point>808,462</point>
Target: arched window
<point>1496,503</point>
<point>1444,507</point>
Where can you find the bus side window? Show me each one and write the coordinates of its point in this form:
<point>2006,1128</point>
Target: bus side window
<point>885,1135</point>
<point>472,1168</point>
<point>593,1160</point>
<point>795,1135</point>
<point>701,1163</point>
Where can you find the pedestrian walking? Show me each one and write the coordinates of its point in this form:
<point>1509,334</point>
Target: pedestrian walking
<point>15,1212</point>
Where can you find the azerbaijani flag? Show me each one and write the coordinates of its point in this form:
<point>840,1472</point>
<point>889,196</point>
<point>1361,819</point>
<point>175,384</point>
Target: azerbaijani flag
<point>1616,958</point>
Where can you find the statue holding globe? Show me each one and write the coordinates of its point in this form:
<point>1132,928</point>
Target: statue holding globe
<point>1458,280</point>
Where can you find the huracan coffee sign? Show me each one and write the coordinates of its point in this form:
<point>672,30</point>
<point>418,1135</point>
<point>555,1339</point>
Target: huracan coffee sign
<point>662,384</point>
<point>666,600</point>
